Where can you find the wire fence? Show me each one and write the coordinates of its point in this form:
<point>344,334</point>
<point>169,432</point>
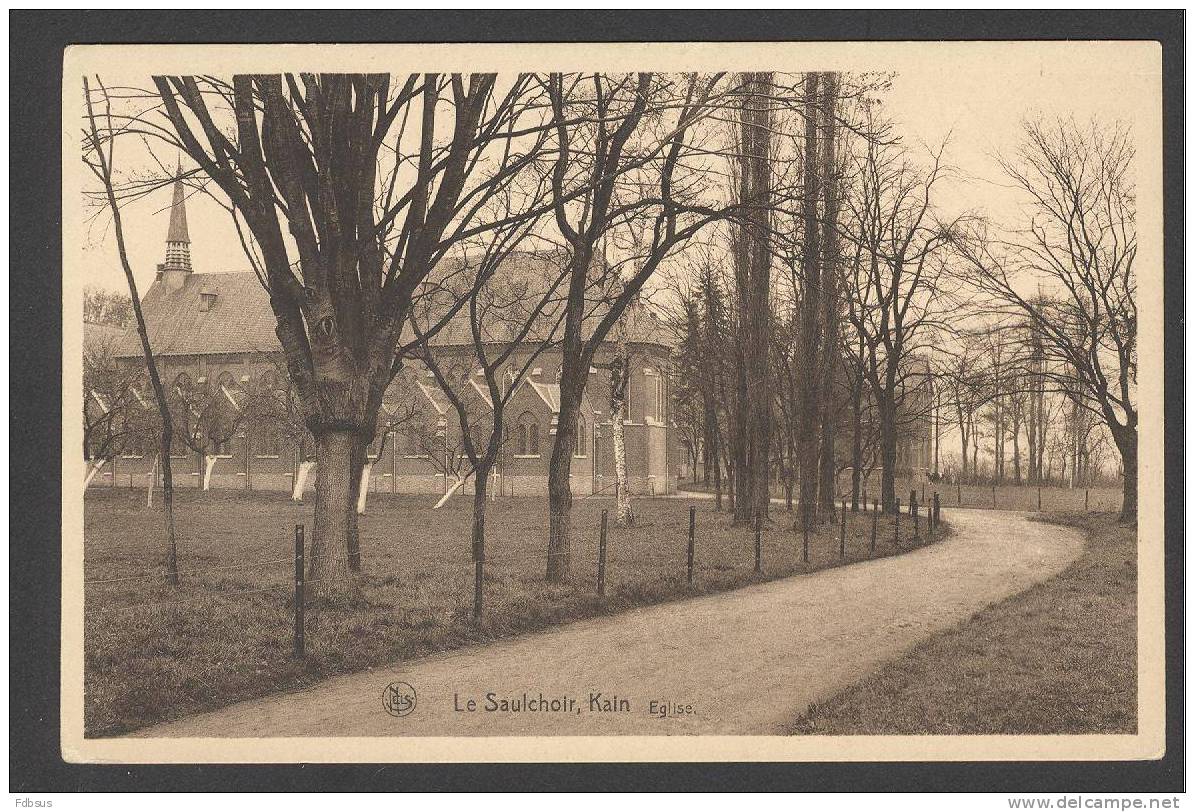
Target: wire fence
<point>640,556</point>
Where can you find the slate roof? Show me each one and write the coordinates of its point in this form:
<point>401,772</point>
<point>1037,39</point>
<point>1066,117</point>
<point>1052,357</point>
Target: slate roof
<point>240,320</point>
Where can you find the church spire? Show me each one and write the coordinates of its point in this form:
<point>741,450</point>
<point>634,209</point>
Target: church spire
<point>178,240</point>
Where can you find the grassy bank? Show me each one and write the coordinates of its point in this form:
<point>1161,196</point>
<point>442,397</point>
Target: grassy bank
<point>1059,658</point>
<point>155,653</point>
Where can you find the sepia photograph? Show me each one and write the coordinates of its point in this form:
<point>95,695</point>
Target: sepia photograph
<point>639,402</point>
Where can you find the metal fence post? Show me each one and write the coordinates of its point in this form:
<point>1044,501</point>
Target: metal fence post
<point>842,533</point>
<point>478,567</point>
<point>758,546</point>
<point>601,584</point>
<point>692,528</point>
<point>300,641</point>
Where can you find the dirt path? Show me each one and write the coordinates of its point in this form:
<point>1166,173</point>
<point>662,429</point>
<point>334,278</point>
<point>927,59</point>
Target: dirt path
<point>746,662</point>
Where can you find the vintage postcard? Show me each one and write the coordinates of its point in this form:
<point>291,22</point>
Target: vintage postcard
<point>612,402</point>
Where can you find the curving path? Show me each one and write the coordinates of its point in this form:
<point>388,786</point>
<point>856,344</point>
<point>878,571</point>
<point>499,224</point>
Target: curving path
<point>746,662</point>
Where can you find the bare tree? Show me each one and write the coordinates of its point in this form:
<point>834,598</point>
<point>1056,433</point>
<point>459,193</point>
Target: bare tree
<point>373,185</point>
<point>897,280</point>
<point>1080,242</point>
<point>98,155</point>
<point>619,170</point>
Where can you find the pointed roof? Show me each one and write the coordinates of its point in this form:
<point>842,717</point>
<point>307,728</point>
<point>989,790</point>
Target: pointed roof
<point>178,212</point>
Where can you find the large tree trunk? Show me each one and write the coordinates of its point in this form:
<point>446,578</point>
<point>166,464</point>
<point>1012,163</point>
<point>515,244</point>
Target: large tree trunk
<point>357,470</point>
<point>808,410</point>
<point>1126,444</point>
<point>335,514</point>
<point>829,292</point>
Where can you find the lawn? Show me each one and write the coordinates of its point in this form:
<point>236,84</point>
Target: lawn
<point>225,634</point>
<point>1054,498</point>
<point>1059,658</point>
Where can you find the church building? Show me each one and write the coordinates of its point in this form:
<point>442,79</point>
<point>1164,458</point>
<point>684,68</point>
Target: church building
<point>213,338</point>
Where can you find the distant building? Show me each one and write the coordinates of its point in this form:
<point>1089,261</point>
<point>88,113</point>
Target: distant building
<point>214,332</point>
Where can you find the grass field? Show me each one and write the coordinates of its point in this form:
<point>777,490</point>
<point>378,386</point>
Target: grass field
<point>1054,498</point>
<point>225,634</point>
<point>1059,658</point>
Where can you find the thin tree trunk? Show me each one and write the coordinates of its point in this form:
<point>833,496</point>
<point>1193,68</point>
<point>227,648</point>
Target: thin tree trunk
<point>856,444</point>
<point>619,372</point>
<point>888,454</point>
<point>560,506</point>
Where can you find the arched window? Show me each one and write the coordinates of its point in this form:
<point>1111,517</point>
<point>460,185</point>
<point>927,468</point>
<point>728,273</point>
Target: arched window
<point>580,444</point>
<point>527,436</point>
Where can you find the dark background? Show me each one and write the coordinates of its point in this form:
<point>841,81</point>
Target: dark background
<point>36,42</point>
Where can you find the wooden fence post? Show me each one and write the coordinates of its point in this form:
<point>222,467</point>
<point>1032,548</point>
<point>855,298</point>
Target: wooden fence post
<point>896,526</point>
<point>842,533</point>
<point>805,532</point>
<point>758,546</point>
<point>959,487</point>
<point>1039,497</point>
<point>300,641</point>
<point>993,496</point>
<point>875,521</point>
<point>601,584</point>
<point>1086,499</point>
<point>692,528</point>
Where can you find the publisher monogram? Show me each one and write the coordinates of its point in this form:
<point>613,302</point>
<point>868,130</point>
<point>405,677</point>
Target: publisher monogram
<point>398,699</point>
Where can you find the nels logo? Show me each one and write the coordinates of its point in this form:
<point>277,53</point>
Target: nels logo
<point>398,699</point>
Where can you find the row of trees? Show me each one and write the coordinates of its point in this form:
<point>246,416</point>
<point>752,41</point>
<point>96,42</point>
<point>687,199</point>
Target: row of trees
<point>888,319</point>
<point>834,314</point>
<point>820,252</point>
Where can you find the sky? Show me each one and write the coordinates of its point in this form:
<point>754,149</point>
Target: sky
<point>975,95</point>
<point>977,103</point>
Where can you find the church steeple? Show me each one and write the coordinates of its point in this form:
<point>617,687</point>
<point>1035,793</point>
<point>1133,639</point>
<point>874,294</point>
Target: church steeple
<point>177,266</point>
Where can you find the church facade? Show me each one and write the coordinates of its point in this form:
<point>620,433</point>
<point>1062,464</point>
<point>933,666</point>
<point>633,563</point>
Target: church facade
<point>213,339</point>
